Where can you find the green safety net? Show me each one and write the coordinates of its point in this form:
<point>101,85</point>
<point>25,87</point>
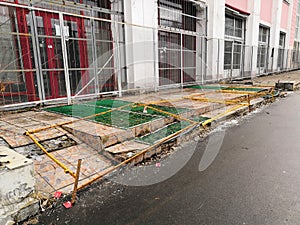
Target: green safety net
<point>168,130</point>
<point>164,132</point>
<point>169,109</point>
<point>77,110</point>
<point>127,117</point>
<point>109,103</point>
<point>123,119</point>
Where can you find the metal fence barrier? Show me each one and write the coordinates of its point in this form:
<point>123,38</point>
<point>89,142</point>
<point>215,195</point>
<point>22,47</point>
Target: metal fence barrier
<point>62,52</point>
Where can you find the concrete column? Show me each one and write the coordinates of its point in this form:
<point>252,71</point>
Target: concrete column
<point>141,43</point>
<point>252,32</point>
<point>274,34</point>
<point>215,32</point>
<point>288,55</point>
<point>200,45</point>
<point>289,29</point>
<point>118,50</point>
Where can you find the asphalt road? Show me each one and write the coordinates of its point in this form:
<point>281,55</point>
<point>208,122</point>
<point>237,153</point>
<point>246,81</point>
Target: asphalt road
<point>254,179</point>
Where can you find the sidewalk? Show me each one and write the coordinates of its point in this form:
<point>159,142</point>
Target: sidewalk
<point>108,133</point>
<point>104,141</point>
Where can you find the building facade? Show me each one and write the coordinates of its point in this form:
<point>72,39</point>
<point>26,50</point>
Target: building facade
<point>57,50</point>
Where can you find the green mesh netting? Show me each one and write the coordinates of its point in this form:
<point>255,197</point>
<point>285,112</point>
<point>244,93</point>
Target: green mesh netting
<point>123,119</point>
<point>127,117</point>
<point>164,132</point>
<point>169,109</point>
<point>139,109</point>
<point>109,103</point>
<point>77,110</point>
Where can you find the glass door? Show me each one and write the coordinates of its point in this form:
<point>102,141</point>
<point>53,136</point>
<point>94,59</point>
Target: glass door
<point>51,55</point>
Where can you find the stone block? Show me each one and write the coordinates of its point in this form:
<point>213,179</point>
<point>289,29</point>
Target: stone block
<point>149,153</point>
<point>17,186</point>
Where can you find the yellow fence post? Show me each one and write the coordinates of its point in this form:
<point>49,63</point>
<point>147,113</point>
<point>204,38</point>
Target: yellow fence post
<point>76,181</point>
<point>249,102</point>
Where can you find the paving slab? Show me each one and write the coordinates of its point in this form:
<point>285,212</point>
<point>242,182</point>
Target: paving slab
<point>169,94</point>
<point>16,140</point>
<point>127,146</point>
<point>50,118</point>
<point>97,135</point>
<point>272,80</point>
<point>23,122</point>
<point>52,177</point>
<point>15,125</point>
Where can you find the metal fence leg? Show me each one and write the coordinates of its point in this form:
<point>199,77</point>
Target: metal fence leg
<point>218,61</point>
<point>231,67</point>
<point>37,56</point>
<point>94,50</point>
<point>181,60</point>
<point>118,57</point>
<point>65,57</point>
<point>156,75</point>
<point>251,62</point>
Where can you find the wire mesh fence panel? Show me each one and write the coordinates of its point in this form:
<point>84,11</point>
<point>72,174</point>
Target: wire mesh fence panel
<point>61,50</point>
<point>189,58</point>
<point>169,58</point>
<point>247,61</point>
<point>18,80</point>
<point>105,59</point>
<point>57,47</point>
<point>215,61</point>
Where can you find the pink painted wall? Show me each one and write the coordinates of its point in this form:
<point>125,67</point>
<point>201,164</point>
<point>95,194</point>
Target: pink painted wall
<point>293,27</point>
<point>284,15</point>
<point>240,4</point>
<point>266,7</point>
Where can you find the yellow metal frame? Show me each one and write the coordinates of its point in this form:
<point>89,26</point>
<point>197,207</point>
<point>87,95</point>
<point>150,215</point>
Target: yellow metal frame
<point>30,134</point>
<point>66,169</point>
<point>214,100</point>
<point>167,113</point>
<point>164,101</point>
<point>206,122</point>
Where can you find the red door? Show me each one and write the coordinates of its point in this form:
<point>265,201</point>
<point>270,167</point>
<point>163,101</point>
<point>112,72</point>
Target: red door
<point>26,50</point>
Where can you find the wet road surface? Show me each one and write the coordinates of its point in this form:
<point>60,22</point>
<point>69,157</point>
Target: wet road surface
<point>254,179</point>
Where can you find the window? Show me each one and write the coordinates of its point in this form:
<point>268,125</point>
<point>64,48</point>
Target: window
<point>237,50</point>
<point>170,14</point>
<point>96,3</point>
<point>180,14</point>
<point>282,40</point>
<point>281,50</point>
<point>263,34</point>
<point>233,27</point>
<point>177,14</point>
<point>232,55</point>
<point>296,51</point>
<point>263,46</point>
